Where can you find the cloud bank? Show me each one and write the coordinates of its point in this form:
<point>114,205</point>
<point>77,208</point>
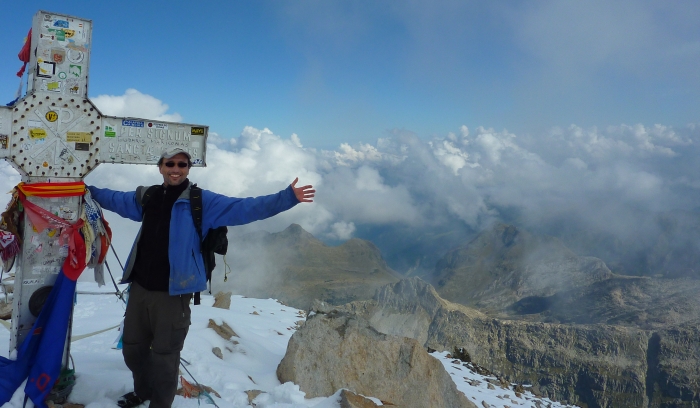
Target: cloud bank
<point>418,198</point>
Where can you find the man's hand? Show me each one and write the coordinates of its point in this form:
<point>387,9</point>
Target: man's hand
<point>303,194</point>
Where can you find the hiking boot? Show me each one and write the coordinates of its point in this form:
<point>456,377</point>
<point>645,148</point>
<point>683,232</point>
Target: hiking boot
<point>130,400</point>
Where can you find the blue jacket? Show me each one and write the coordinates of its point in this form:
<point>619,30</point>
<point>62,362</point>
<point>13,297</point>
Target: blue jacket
<point>187,274</point>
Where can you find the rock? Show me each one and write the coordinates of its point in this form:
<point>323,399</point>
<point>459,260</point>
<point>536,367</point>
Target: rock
<point>5,311</point>
<point>224,330</point>
<point>341,350</point>
<point>252,394</point>
<point>462,354</point>
<point>222,300</point>
<point>349,399</point>
<point>217,352</point>
<point>51,404</point>
<point>674,358</point>
<point>319,306</point>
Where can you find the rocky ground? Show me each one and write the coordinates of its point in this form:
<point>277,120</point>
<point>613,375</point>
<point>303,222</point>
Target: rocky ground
<point>587,365</point>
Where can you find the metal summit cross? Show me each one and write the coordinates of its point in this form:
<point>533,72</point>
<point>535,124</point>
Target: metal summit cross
<point>55,134</point>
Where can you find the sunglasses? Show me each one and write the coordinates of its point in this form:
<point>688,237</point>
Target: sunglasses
<point>181,165</point>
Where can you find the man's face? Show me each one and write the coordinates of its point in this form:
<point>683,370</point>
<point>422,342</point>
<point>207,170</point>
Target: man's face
<point>173,174</point>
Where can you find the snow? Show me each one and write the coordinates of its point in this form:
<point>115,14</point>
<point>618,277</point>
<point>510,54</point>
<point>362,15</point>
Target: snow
<point>263,326</point>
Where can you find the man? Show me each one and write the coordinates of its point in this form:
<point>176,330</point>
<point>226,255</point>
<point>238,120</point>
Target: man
<point>165,267</point>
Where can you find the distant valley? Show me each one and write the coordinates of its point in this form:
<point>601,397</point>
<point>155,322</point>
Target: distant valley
<point>504,271</point>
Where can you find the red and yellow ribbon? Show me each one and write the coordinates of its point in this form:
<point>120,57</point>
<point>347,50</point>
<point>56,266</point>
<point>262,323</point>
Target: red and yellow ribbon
<point>69,189</point>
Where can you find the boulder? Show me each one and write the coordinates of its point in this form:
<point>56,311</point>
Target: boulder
<point>222,300</point>
<point>340,350</point>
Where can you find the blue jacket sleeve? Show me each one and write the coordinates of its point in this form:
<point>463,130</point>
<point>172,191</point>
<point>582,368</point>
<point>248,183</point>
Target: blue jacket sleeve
<point>122,203</point>
<point>220,210</point>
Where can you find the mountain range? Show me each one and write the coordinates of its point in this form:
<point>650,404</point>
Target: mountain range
<point>504,287</point>
<point>504,271</point>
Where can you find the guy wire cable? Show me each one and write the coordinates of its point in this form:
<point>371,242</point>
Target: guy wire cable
<point>119,293</point>
<point>201,389</point>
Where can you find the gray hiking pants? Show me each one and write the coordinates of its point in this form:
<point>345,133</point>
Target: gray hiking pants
<point>155,327</point>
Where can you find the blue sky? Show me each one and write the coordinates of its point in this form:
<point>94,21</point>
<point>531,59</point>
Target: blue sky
<point>419,123</point>
<point>351,71</point>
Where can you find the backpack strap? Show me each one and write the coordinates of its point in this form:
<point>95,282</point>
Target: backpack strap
<point>144,194</point>
<point>196,207</point>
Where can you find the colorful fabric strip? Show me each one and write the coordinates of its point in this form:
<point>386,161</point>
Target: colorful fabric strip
<point>40,354</point>
<point>9,245</point>
<point>70,234</point>
<point>70,189</point>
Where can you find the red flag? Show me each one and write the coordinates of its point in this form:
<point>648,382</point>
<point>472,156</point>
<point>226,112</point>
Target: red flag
<point>24,53</point>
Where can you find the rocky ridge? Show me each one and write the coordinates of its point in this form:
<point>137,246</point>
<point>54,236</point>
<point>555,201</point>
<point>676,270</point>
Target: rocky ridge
<point>296,268</point>
<point>510,273</point>
<point>505,264</point>
<point>566,324</point>
<point>587,365</point>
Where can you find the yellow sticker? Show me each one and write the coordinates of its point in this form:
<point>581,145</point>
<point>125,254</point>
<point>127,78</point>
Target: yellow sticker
<point>69,33</point>
<point>51,116</point>
<point>80,137</point>
<point>37,133</point>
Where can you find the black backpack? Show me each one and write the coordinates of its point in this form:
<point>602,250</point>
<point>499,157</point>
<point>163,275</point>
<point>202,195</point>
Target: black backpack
<point>216,241</point>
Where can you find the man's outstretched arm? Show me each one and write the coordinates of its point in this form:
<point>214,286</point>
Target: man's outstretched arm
<point>222,210</point>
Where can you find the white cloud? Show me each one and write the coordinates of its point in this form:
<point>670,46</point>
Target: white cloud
<point>349,155</point>
<point>403,185</point>
<point>135,104</point>
<point>368,179</point>
<point>451,155</point>
<point>342,230</point>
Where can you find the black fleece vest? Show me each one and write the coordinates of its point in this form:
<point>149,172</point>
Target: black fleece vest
<point>152,266</point>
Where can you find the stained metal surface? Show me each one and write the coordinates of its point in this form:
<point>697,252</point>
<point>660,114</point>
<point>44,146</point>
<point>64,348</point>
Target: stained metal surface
<point>53,136</point>
<point>141,141</point>
<point>39,262</point>
<point>56,134</point>
<point>61,57</point>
